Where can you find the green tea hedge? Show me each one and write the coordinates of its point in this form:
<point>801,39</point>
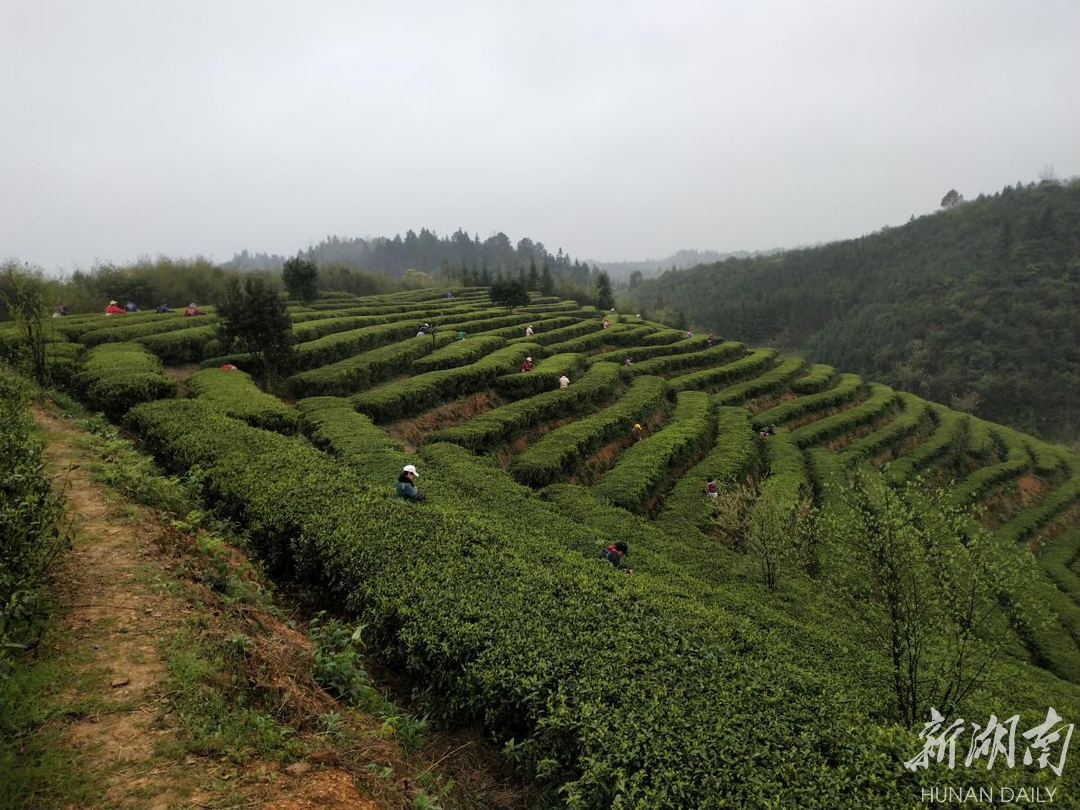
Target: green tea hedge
<point>118,376</point>
<point>642,467</point>
<point>234,393</point>
<point>424,391</point>
<point>502,424</point>
<point>561,450</point>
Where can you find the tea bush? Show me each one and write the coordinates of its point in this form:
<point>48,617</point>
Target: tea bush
<point>544,376</point>
<point>879,401</point>
<point>847,387</point>
<point>458,353</point>
<point>665,364</point>
<point>769,382</point>
<point>816,378</point>
<point>642,467</point>
<point>900,427</point>
<point>235,394</point>
<point>424,391</point>
<point>708,378</point>
<point>561,450</point>
<point>118,376</point>
<point>502,424</point>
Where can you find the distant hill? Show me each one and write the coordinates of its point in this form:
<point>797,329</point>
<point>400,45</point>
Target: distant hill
<point>977,305</point>
<point>679,260</point>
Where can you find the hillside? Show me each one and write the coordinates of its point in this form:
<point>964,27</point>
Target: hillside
<point>749,660</point>
<point>977,305</point>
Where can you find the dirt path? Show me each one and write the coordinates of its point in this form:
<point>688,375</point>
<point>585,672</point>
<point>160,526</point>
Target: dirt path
<point>135,596</point>
<point>114,621</point>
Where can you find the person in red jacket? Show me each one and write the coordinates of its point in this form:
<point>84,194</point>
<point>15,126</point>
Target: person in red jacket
<point>193,310</point>
<point>113,309</point>
<point>527,365</point>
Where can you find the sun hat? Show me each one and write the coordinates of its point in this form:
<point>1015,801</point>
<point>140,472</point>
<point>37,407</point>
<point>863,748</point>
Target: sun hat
<point>112,303</point>
<point>411,468</point>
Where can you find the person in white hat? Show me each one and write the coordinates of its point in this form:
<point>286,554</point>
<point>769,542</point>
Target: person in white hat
<point>406,487</point>
<point>527,365</point>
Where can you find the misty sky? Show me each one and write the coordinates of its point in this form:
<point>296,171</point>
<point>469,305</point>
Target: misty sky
<point>615,130</point>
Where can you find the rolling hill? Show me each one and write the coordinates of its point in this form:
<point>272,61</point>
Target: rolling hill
<point>742,663</point>
<point>977,305</point>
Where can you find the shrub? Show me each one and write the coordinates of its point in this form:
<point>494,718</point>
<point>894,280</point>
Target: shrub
<point>502,424</point>
<point>880,400</point>
<point>427,390</point>
<point>767,383</point>
<point>903,425</point>
<point>847,386</point>
<point>332,424</point>
<point>646,351</point>
<point>947,432</point>
<point>665,364</point>
<point>118,376</point>
<point>687,508</point>
<point>365,369</point>
<point>816,378</point>
<point>458,353</point>
<point>182,346</point>
<point>642,467</point>
<point>234,393</point>
<point>508,629</point>
<point>544,376</point>
<point>616,335</point>
<point>30,531</point>
<point>119,331</point>
<point>564,448</point>
<point>972,487</point>
<point>710,377</point>
<point>1028,521</point>
<point>546,338</point>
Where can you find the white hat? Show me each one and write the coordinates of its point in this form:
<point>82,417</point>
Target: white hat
<point>411,468</point>
<point>112,303</point>
<point>191,304</point>
<point>529,359</point>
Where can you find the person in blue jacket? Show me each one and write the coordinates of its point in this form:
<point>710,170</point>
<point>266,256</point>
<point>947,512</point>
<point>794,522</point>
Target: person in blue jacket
<point>406,486</point>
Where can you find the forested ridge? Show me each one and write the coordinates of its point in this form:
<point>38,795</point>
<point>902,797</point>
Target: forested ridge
<point>975,305</point>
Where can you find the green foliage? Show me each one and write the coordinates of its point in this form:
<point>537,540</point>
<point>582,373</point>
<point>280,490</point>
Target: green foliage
<point>561,450</point>
<point>118,376</point>
<point>665,364</point>
<point>331,423</point>
<point>687,509</point>
<point>928,592</point>
<point>125,330</point>
<point>423,391</point>
<point>605,299</point>
<point>974,299</point>
<point>846,388</point>
<point>502,424</point>
<point>718,375</point>
<point>509,293</point>
<point>879,401</point>
<point>31,532</point>
<point>981,480</point>
<point>29,302</point>
<point>365,369</point>
<point>182,346</point>
<point>558,335</point>
<point>642,467</point>
<point>1028,520</point>
<point>816,378</point>
<point>544,376</point>
<point>902,425</point>
<point>252,317</point>
<point>618,334</point>
<point>234,393</point>
<point>946,436</point>
<point>458,353</point>
<point>761,385</point>
<point>301,278</point>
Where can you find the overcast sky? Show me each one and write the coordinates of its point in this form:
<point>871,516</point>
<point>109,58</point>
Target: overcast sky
<point>615,130</point>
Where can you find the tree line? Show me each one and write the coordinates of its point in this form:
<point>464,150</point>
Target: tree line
<point>976,306</point>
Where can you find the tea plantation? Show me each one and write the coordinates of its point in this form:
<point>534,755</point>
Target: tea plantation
<point>724,671</point>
